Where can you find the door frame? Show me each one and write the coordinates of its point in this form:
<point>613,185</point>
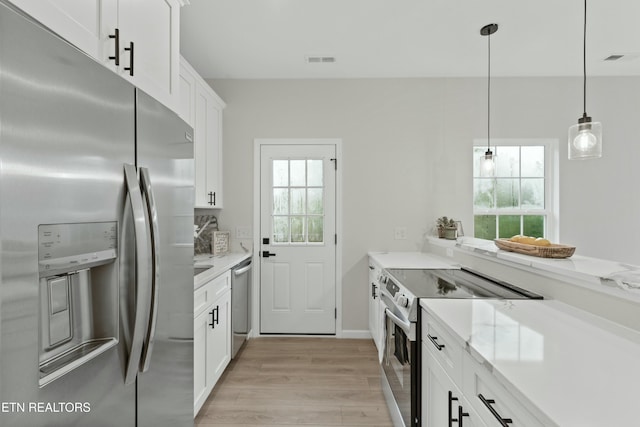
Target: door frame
<point>255,294</point>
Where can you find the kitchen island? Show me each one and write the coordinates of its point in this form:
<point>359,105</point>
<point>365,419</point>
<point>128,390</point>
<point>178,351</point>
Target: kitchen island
<point>560,365</point>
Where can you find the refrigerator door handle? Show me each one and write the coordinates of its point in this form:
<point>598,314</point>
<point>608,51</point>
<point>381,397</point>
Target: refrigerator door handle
<point>147,190</point>
<point>142,269</point>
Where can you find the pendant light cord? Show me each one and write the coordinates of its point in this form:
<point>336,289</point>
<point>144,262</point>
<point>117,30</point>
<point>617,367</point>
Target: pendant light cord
<point>489,93</point>
<point>584,61</point>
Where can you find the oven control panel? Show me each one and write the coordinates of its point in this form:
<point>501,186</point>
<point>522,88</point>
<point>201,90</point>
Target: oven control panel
<point>392,287</point>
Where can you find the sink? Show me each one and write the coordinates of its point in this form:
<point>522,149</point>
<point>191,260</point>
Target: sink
<point>198,270</point>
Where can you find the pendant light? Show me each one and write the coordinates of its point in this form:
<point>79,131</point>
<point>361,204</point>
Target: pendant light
<point>585,138</point>
<point>488,161</point>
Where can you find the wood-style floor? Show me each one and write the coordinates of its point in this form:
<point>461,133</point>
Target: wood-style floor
<point>299,382</point>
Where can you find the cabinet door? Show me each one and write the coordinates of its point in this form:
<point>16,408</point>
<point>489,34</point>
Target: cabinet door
<point>84,23</point>
<point>187,104</point>
<point>208,147</point>
<point>374,303</point>
<point>154,28</point>
<point>219,339</point>
<point>443,404</point>
<point>200,332</point>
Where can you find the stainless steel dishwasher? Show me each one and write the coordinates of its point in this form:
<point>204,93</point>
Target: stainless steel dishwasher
<point>240,304</point>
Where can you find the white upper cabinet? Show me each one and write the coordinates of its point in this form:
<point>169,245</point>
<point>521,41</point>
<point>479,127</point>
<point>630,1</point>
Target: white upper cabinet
<point>152,27</point>
<point>202,108</point>
<point>107,29</point>
<point>85,23</point>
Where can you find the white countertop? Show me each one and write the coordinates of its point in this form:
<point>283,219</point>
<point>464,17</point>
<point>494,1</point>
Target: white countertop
<point>610,277</point>
<point>219,264</point>
<point>578,369</point>
<point>411,260</point>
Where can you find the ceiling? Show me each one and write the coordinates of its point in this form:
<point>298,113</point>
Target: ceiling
<point>256,39</point>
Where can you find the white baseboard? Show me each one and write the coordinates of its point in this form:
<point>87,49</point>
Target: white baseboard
<point>356,334</point>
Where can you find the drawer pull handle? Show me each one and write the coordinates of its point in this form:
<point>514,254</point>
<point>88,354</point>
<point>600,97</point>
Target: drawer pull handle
<point>461,415</point>
<point>504,422</point>
<point>435,342</point>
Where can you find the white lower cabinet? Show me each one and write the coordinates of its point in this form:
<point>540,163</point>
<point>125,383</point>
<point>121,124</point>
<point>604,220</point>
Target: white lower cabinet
<point>459,391</point>
<point>443,404</point>
<point>495,404</point>
<point>211,336</point>
<point>375,316</point>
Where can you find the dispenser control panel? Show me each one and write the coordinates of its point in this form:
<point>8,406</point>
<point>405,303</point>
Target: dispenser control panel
<point>65,247</point>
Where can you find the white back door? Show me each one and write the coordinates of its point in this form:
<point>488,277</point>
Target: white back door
<point>298,239</point>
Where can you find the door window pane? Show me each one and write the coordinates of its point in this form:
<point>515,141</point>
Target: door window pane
<point>314,174</point>
<point>316,225</point>
<point>298,173</point>
<point>298,201</point>
<point>280,201</point>
<point>297,229</point>
<point>315,201</point>
<point>280,173</point>
<point>280,229</point>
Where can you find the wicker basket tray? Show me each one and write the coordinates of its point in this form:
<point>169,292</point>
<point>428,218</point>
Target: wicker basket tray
<point>553,251</point>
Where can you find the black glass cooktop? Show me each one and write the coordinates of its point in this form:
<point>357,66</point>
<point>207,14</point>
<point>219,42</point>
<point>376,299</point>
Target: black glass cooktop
<point>456,284</point>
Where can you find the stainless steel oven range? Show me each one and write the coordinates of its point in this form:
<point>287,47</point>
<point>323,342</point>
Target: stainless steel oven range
<point>400,293</point>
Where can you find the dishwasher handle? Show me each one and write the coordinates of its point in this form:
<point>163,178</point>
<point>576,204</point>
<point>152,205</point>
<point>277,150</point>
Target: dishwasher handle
<point>241,271</point>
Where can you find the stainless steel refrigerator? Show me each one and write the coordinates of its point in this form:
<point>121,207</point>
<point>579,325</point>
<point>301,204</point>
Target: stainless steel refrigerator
<point>96,242</point>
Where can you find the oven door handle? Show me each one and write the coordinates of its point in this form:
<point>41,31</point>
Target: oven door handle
<point>404,325</point>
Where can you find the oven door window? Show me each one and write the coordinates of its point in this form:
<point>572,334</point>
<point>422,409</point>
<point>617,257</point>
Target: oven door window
<point>397,367</point>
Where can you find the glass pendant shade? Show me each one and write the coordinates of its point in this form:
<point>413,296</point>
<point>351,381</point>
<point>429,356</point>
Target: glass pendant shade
<point>585,140</point>
<point>488,164</point>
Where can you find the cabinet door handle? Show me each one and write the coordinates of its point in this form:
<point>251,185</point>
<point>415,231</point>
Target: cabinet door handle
<point>210,194</point>
<point>130,67</point>
<point>451,400</point>
<point>216,317</point>
<point>435,342</point>
<point>116,37</point>
<point>213,319</point>
<point>504,422</point>
<point>214,198</point>
<point>461,415</point>
<point>373,290</point>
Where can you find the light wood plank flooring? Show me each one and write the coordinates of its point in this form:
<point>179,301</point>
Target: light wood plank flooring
<point>299,382</point>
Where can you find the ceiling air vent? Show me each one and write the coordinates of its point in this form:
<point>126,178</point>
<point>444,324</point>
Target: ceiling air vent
<point>320,59</point>
<point>623,57</point>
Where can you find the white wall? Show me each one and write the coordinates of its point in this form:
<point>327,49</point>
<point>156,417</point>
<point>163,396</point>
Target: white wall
<point>407,156</point>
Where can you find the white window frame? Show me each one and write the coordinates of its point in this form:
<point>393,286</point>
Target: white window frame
<point>551,182</point>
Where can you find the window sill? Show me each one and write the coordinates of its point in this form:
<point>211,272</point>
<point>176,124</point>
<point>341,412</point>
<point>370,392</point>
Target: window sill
<point>610,277</point>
